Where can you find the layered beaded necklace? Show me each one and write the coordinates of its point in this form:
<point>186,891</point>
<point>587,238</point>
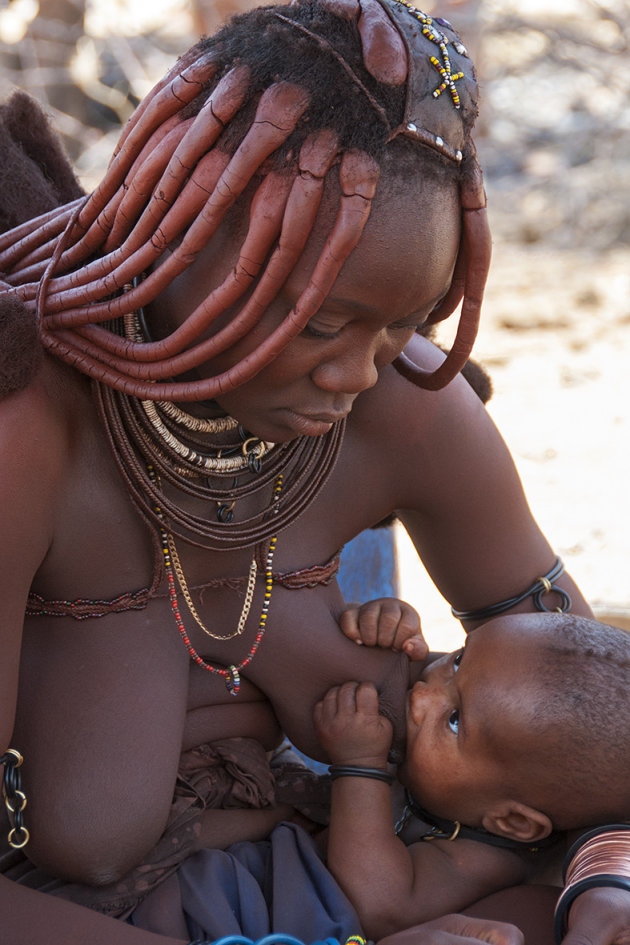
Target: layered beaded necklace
<point>175,575</point>
<point>155,441</point>
<point>306,463</point>
<point>137,433</point>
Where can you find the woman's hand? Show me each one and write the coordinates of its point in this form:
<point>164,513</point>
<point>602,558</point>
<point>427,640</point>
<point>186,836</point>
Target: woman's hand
<point>386,622</point>
<point>457,930</point>
<point>350,728</point>
<point>599,916</point>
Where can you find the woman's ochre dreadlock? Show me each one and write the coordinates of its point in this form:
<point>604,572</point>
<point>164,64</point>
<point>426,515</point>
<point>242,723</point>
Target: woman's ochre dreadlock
<point>276,99</point>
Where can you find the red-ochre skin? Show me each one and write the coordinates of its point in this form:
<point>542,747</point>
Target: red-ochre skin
<point>102,709</point>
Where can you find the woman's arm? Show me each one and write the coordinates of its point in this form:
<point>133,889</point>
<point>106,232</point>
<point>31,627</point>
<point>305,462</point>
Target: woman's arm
<point>460,497</point>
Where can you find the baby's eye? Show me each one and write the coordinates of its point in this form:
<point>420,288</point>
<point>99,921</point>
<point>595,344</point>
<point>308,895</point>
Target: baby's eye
<point>457,660</point>
<point>453,721</point>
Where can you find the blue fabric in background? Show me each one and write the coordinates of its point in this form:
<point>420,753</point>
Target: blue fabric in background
<point>369,568</point>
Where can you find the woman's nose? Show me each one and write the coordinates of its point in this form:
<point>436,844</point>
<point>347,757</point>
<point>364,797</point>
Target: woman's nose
<point>350,372</point>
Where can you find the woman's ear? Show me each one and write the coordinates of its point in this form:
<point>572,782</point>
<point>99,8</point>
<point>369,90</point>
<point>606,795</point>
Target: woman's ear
<point>517,821</point>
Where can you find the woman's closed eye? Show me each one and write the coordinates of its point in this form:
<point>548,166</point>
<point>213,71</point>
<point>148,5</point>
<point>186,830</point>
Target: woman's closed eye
<point>453,721</point>
<point>318,333</point>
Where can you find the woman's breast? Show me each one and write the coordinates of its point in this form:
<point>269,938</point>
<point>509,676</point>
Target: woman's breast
<point>304,653</point>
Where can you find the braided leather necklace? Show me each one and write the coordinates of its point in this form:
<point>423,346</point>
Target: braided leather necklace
<point>305,462</point>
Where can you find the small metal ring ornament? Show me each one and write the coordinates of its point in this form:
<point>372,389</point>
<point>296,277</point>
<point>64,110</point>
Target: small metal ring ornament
<point>18,845</point>
<point>225,512</point>
<point>548,588</point>
<point>21,797</point>
<point>16,754</point>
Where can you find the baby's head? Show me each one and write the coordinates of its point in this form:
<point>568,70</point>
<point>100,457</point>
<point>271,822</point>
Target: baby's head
<point>524,730</point>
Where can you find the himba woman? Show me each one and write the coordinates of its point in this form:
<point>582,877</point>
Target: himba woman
<point>212,380</point>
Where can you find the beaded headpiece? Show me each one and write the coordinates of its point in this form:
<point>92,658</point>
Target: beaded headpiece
<point>427,55</point>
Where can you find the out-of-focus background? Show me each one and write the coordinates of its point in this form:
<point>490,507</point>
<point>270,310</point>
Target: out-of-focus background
<point>555,143</point>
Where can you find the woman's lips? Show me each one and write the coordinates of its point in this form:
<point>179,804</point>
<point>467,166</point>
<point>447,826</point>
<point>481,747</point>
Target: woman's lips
<point>313,424</point>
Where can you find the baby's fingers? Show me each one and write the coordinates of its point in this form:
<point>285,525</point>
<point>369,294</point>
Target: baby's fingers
<point>326,708</point>
<point>416,648</point>
<point>366,698</point>
<point>388,622</point>
<point>349,623</point>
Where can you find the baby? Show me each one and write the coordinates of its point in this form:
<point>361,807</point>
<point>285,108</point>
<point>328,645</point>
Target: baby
<point>511,740</point>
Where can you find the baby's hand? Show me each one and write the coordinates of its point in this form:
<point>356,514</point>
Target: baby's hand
<point>349,727</point>
<point>387,622</point>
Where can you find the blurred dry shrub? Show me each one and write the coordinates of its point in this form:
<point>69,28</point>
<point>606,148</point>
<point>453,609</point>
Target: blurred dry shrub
<point>556,117</point>
<point>555,123</point>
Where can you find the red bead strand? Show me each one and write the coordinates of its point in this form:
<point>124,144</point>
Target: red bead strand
<point>232,673</point>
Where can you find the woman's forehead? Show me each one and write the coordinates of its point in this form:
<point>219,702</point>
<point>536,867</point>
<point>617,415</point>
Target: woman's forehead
<point>406,252</point>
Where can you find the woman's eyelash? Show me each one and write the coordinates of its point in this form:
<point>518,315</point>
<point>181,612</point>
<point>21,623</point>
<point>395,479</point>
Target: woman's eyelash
<point>315,333</point>
<point>407,327</point>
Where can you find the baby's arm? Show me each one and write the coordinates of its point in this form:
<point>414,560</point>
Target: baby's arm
<point>387,622</point>
<point>392,886</point>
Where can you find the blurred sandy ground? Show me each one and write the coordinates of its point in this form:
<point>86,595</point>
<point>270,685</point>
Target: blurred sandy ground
<point>555,334</point>
<point>555,337</point>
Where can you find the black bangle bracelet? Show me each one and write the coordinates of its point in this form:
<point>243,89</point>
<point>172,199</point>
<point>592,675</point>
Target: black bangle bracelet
<point>352,771</point>
<point>540,587</point>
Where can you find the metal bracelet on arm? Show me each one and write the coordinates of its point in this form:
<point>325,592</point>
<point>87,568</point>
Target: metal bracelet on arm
<point>600,857</point>
<point>541,586</point>
<point>14,798</point>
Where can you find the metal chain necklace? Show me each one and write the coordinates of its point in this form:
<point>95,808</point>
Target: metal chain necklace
<point>175,575</point>
<point>183,586</point>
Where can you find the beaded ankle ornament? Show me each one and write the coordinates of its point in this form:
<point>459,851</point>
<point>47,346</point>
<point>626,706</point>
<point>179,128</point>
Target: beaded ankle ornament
<point>175,575</point>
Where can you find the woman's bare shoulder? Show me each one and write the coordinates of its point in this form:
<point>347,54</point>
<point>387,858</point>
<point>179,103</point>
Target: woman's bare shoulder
<point>38,426</point>
<point>411,416</point>
<point>40,415</point>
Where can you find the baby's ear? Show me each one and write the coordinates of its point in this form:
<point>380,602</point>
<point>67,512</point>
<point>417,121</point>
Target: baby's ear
<point>517,821</point>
